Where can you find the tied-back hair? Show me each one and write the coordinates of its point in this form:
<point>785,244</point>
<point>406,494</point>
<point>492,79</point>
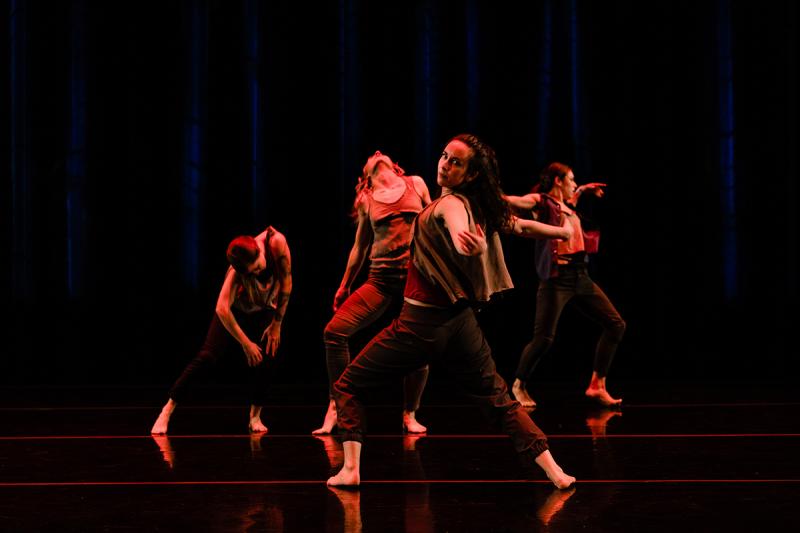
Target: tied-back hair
<point>547,177</point>
<point>483,191</point>
<point>364,187</point>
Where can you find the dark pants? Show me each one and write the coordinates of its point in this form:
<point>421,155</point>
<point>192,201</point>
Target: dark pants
<point>574,285</point>
<point>361,309</point>
<point>219,343</point>
<point>450,337</point>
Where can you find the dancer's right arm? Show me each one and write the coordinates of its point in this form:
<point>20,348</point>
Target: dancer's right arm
<point>227,295</point>
<point>356,258</point>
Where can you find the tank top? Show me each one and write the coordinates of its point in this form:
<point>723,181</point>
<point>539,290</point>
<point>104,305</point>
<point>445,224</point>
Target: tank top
<point>256,293</point>
<point>391,227</point>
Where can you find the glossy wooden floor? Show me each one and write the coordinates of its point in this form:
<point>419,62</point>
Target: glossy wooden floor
<point>696,458</point>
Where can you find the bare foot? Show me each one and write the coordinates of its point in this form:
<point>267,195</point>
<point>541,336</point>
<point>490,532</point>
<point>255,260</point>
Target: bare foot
<point>347,477</point>
<point>602,396</point>
<point>553,471</point>
<point>521,395</point>
<point>256,426</point>
<point>160,427</point>
<point>330,421</point>
<point>410,424</point>
<point>560,479</point>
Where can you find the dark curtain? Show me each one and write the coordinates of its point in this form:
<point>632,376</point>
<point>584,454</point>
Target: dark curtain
<point>138,138</point>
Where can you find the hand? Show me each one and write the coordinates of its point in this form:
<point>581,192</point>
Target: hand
<point>473,243</point>
<point>341,295</point>
<point>594,188</point>
<point>567,230</point>
<point>272,336</point>
<point>253,353</point>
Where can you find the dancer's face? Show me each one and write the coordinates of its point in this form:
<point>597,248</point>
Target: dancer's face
<point>453,165</point>
<point>256,267</point>
<point>566,185</point>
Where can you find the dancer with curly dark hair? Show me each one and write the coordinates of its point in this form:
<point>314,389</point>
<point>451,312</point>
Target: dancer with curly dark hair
<point>457,260</point>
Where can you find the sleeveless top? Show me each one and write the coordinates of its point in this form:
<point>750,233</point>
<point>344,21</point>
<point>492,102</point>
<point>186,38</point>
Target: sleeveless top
<point>391,227</point>
<point>256,293</point>
<point>550,253</point>
<point>473,278</point>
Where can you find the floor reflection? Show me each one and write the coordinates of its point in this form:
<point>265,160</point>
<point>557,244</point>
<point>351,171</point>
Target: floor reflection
<point>553,504</point>
<point>350,500</point>
<point>164,446</point>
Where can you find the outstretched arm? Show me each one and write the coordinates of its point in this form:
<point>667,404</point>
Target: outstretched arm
<point>283,272</point>
<point>356,258</point>
<point>227,295</point>
<point>456,220</point>
<point>594,188</point>
<point>538,230</point>
<point>522,203</point>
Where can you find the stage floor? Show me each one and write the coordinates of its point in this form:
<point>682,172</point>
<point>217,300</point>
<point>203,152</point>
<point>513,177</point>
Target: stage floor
<point>695,459</point>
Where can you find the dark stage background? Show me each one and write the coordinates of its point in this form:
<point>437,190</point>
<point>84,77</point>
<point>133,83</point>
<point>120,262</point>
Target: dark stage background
<point>139,137</point>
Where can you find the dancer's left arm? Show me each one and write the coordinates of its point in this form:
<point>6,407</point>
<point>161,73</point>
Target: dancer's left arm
<point>456,219</point>
<point>593,188</point>
<point>283,271</point>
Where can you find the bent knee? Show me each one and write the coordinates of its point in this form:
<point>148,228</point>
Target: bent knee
<point>333,334</point>
<point>617,328</point>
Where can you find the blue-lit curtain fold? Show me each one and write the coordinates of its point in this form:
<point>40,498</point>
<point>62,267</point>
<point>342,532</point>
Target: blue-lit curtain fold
<point>194,132</point>
<point>726,151</point>
<point>21,207</point>
<point>76,218</point>
<point>255,113</point>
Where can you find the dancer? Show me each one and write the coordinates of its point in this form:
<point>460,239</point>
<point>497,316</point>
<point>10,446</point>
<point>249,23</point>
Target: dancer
<point>563,278</point>
<point>250,309</point>
<point>387,201</point>
<point>457,260</point>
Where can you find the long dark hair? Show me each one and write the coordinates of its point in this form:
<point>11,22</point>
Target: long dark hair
<point>483,191</point>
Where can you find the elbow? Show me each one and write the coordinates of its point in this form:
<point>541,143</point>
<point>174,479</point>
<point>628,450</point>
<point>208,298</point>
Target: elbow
<point>223,312</point>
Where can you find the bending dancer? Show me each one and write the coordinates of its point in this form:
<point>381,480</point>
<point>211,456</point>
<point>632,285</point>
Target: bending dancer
<point>387,201</point>
<point>563,278</point>
<point>454,264</point>
<point>251,305</point>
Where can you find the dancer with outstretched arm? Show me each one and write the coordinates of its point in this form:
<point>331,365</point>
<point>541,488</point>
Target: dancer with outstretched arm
<point>564,278</point>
